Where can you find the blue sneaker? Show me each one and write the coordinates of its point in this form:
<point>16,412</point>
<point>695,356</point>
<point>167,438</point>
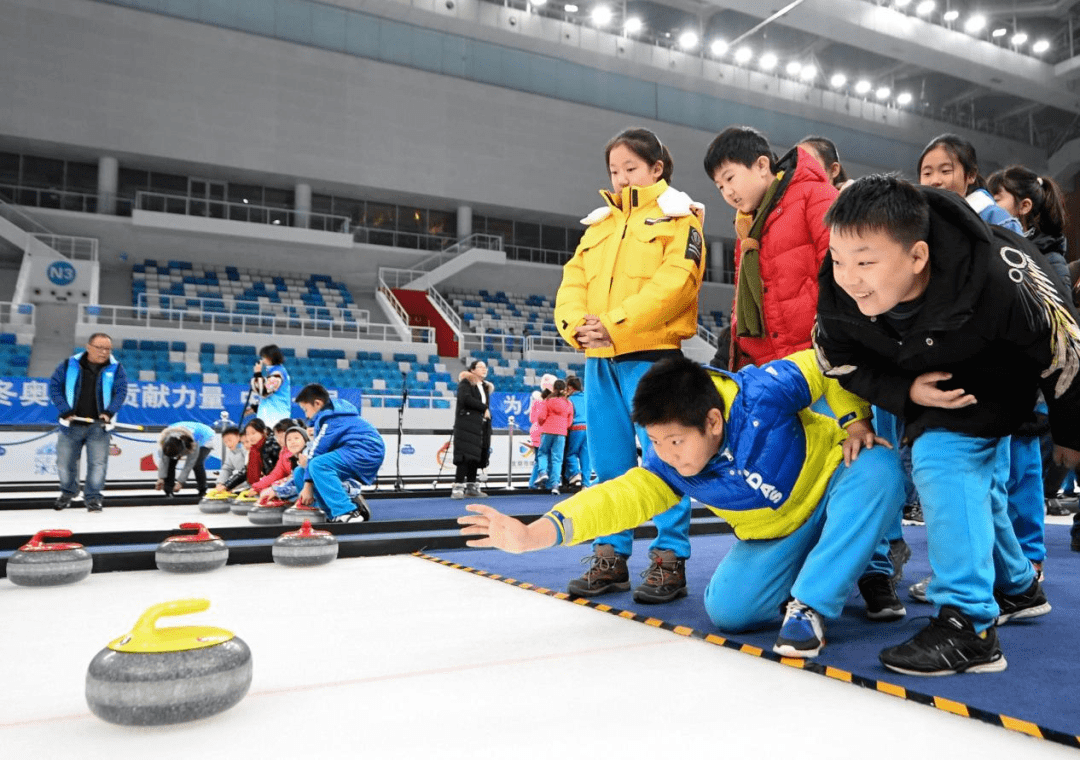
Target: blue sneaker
<point>802,634</point>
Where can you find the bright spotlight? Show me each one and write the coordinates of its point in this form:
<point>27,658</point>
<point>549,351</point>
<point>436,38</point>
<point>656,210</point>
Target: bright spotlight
<point>951,15</point>
<point>903,3</point>
<point>768,62</point>
<point>1041,46</point>
<point>975,24</point>
<point>862,87</point>
<point>838,80</point>
<point>538,3</point>
<point>601,15</point>
<point>925,8</point>
<point>688,40</point>
<point>793,68</point>
<point>1019,39</point>
<point>882,93</point>
<point>904,98</point>
<point>999,32</point>
<point>808,72</point>
<point>743,54</point>
<point>570,8</point>
<point>633,25</point>
<point>718,47</point>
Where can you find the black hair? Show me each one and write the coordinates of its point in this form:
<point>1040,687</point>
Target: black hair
<point>826,149</point>
<point>573,383</point>
<point>257,424</point>
<point>738,145</point>
<point>230,430</point>
<point>558,388</point>
<point>546,393</point>
<point>282,425</point>
<point>272,354</point>
<point>961,151</point>
<point>176,445</point>
<point>313,392</point>
<point>646,146</point>
<point>1047,214</point>
<point>474,362</point>
<point>881,203</point>
<point>95,336</point>
<point>676,389</point>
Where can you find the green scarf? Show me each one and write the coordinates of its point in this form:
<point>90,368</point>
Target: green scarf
<point>749,317</point>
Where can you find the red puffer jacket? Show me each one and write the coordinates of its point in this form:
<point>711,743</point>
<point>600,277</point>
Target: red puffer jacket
<point>793,246</point>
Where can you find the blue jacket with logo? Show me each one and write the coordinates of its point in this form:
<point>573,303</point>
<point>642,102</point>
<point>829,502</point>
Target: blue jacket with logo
<point>66,381</point>
<point>342,429</point>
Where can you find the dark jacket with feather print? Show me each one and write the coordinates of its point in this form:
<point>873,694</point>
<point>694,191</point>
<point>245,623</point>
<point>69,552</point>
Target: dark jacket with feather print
<point>992,317</point>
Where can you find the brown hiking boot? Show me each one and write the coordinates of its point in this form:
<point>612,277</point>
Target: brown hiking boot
<point>607,572</point>
<point>665,579</point>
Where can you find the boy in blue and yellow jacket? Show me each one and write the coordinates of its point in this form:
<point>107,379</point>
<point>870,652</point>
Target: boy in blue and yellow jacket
<point>344,446</point>
<point>747,445</point>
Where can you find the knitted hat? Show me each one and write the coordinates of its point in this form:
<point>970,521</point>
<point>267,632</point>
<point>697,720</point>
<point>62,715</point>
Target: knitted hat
<point>300,430</point>
<point>547,382</point>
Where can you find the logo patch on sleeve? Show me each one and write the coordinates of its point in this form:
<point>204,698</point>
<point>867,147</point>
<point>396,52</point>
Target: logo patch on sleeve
<point>693,246</point>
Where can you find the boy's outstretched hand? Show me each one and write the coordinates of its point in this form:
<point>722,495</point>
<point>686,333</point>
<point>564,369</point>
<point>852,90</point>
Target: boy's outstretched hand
<point>504,532</point>
<point>860,436</point>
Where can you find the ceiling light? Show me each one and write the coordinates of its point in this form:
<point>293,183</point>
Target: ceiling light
<point>768,62</point>
<point>1041,46</point>
<point>838,80</point>
<point>904,98</point>
<point>743,54</point>
<point>1019,39</point>
<point>925,7</point>
<point>882,93</point>
<point>718,47</point>
<point>975,24</point>
<point>601,15</point>
<point>688,40</point>
<point>999,32</point>
<point>951,15</point>
<point>633,25</point>
<point>793,68</point>
<point>902,3</point>
<point>570,8</point>
<point>808,72</point>
<point>862,87</point>
<point>539,3</point>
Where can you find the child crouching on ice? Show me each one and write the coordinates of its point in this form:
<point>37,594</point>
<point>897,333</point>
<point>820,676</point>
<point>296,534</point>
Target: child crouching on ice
<point>748,445</point>
<point>190,440</point>
<point>278,486</point>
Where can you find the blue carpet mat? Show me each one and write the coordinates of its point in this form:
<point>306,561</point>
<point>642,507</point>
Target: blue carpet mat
<point>1037,694</point>
<point>430,506</point>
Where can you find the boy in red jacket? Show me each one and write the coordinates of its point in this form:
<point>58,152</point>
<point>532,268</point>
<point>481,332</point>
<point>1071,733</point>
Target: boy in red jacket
<point>782,240</point>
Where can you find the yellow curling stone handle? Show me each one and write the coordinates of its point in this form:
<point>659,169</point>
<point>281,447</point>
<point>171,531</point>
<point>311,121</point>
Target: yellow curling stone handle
<point>147,638</point>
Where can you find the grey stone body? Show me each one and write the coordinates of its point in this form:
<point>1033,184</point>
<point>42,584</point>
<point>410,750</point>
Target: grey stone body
<point>214,506</point>
<point>191,556</point>
<point>49,568</point>
<point>294,551</point>
<point>294,516</point>
<point>266,515</point>
<point>134,689</point>
<point>240,507</point>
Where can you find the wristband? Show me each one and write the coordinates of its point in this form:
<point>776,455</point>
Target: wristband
<point>556,519</point>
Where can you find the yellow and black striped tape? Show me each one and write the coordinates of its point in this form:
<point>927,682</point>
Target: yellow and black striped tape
<point>941,703</point>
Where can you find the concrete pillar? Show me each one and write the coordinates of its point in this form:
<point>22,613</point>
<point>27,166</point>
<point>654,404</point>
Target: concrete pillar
<point>716,259</point>
<point>108,179</point>
<point>302,205</point>
<point>464,222</point>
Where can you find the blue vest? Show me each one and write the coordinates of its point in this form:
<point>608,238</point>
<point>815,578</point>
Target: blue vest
<point>74,372</point>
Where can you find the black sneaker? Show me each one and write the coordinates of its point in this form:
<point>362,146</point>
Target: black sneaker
<point>1060,506</point>
<point>356,514</point>
<point>665,578</point>
<point>1027,604</point>
<point>946,646</point>
<point>362,507</point>
<point>913,514</point>
<point>882,604</point>
<point>62,502</point>
<point>899,554</point>
<point>93,505</point>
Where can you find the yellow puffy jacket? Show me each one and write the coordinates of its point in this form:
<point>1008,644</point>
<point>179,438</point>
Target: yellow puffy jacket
<point>638,268</point>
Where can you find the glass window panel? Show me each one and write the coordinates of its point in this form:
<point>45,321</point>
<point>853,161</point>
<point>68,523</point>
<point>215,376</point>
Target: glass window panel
<point>412,219</point>
<point>9,168</point>
<point>442,223</point>
<point>131,181</point>
<point>251,194</point>
<point>174,184</point>
<point>82,178</point>
<point>381,215</point>
<point>278,198</point>
<point>553,237</point>
<point>527,234</point>
<point>322,204</point>
<point>42,172</point>
<point>351,208</point>
<point>501,227</point>
<point>573,237</point>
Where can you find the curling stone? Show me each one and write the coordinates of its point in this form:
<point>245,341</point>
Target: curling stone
<point>156,676</point>
<point>40,564</point>
<point>305,547</point>
<point>215,504</point>
<point>196,553</point>
<point>242,504</point>
<point>266,515</point>
<point>298,515</point>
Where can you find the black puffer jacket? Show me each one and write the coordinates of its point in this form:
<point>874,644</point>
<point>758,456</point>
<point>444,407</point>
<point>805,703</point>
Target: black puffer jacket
<point>992,317</point>
<point>472,432</point>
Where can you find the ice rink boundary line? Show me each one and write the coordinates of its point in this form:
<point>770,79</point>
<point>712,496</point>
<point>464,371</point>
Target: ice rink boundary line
<point>941,703</point>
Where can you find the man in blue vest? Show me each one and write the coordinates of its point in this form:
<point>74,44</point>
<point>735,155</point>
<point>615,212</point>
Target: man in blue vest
<point>90,385</point>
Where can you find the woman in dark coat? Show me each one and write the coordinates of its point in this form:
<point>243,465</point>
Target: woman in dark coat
<point>472,430</point>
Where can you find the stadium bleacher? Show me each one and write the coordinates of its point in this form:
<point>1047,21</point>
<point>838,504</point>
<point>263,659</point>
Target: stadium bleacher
<point>14,356</point>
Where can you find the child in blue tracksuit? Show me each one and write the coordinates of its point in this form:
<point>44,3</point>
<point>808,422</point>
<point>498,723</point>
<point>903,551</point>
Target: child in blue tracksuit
<point>344,446</point>
<point>952,325</point>
<point>748,445</point>
<point>578,469</point>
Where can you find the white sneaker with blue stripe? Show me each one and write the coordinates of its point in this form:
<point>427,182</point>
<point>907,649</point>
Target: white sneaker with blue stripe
<point>803,632</point>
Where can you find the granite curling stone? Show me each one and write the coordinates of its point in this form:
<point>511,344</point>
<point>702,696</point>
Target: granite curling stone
<point>298,515</point>
<point>241,505</point>
<point>157,676</point>
<point>215,503</point>
<point>305,547</point>
<point>196,553</point>
<point>262,514</point>
<point>37,563</point>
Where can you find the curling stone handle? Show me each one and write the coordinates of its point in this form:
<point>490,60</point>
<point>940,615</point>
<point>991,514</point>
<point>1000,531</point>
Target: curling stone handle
<point>203,534</point>
<point>38,539</point>
<point>146,626</point>
<point>305,529</point>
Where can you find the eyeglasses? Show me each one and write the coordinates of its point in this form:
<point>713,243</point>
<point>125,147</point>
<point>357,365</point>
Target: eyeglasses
<point>99,348</point>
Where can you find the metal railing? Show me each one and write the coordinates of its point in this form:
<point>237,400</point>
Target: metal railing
<point>179,319</point>
<point>478,240</point>
<point>238,212</point>
<point>161,302</point>
<point>401,238</point>
<point>64,200</point>
<point>548,343</point>
<point>19,218</point>
<point>446,310</point>
<point>708,336</point>
<point>12,313</point>
<point>418,334</point>
<point>538,255</point>
<point>71,246</point>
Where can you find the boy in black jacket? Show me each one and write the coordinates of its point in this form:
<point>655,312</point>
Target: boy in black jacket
<point>951,325</point>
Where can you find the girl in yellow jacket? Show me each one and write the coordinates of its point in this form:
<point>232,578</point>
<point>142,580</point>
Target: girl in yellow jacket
<point>629,297</point>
